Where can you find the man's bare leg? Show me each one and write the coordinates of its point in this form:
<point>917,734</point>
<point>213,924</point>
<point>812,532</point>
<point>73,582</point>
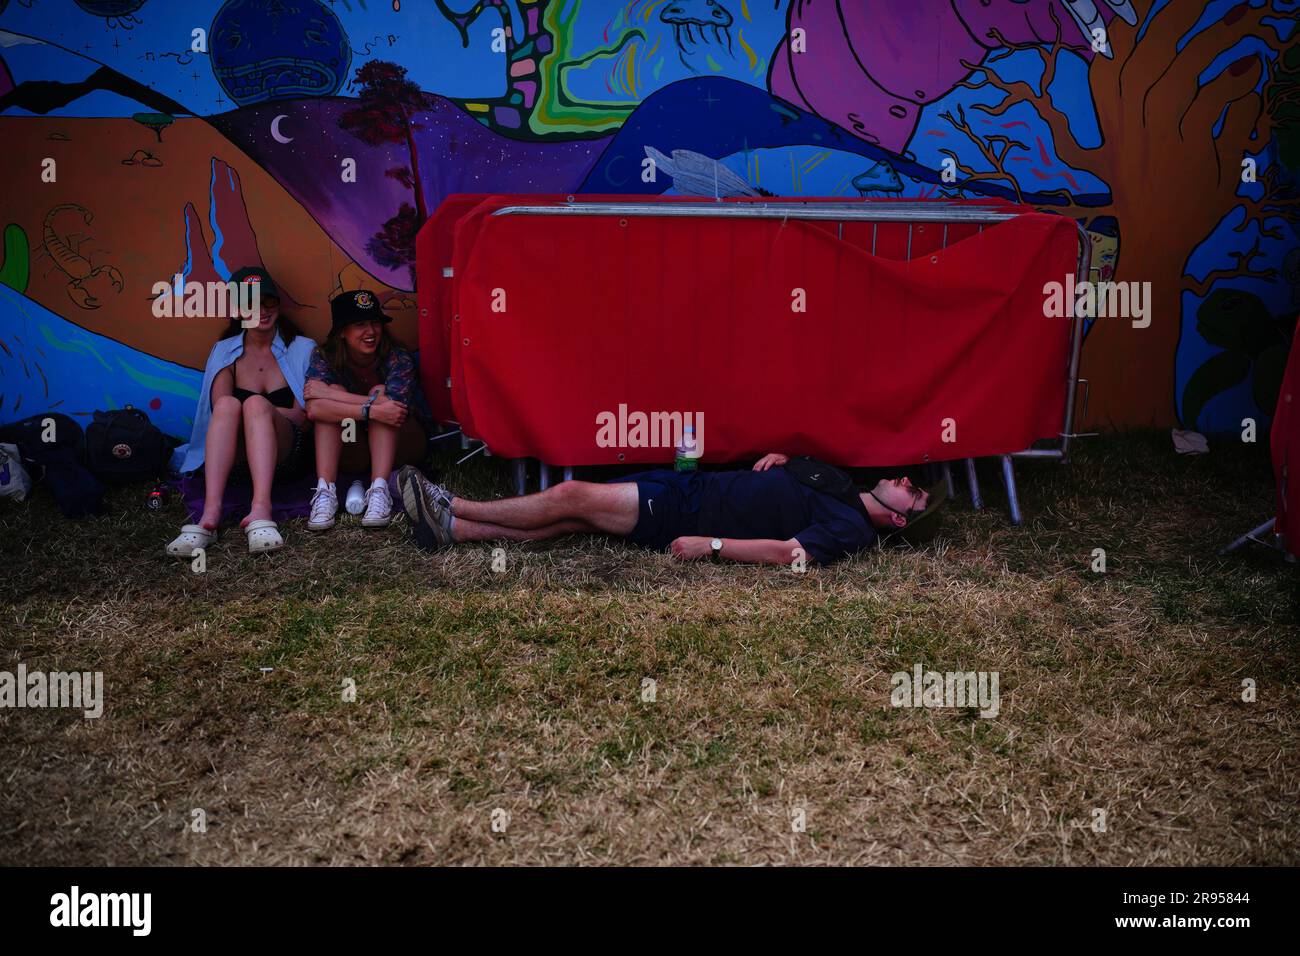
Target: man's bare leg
<point>608,508</point>
<point>466,530</point>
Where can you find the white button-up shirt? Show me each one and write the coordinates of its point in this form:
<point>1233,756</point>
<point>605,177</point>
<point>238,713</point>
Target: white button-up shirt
<point>292,359</point>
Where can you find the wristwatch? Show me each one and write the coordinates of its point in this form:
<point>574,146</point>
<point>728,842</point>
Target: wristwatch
<point>716,546</point>
<point>365,409</point>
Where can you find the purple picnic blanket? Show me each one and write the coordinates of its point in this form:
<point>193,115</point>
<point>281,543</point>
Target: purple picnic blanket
<point>289,499</point>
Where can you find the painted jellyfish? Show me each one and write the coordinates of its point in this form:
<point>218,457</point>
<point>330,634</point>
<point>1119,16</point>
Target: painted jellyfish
<point>860,70</point>
<point>116,13</point>
<point>687,17</point>
<point>879,181</point>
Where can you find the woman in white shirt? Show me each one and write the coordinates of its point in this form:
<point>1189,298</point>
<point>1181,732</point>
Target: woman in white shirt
<point>250,418</point>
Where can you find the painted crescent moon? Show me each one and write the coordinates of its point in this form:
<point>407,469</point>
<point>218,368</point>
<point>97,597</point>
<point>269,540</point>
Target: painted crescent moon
<point>275,130</point>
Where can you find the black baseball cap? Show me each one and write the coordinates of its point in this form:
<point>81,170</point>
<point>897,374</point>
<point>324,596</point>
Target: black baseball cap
<point>266,285</point>
<point>924,526</point>
<point>359,305</point>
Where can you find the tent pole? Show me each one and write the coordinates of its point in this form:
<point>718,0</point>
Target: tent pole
<point>1252,535</point>
<point>1009,478</point>
<point>976,502</point>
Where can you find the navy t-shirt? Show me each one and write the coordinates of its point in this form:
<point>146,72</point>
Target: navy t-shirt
<point>774,504</point>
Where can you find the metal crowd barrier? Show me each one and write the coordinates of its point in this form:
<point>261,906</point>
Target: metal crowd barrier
<point>944,212</point>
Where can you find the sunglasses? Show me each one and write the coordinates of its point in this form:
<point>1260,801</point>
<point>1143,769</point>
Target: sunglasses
<point>916,509</point>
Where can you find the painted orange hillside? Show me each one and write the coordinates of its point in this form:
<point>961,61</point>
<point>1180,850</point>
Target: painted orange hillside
<point>128,210</point>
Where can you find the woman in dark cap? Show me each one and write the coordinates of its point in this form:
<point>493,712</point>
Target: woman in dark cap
<point>251,416</point>
<point>363,376</point>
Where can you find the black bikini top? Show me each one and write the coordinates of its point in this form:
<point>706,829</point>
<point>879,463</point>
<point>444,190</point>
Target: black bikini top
<point>282,397</point>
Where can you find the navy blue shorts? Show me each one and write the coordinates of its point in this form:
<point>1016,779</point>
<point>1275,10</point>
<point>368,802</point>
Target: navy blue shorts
<point>668,506</point>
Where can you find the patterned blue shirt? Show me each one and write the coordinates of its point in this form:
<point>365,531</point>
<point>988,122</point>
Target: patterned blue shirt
<point>396,372</point>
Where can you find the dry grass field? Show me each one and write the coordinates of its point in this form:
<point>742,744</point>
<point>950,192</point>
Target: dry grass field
<point>522,690</point>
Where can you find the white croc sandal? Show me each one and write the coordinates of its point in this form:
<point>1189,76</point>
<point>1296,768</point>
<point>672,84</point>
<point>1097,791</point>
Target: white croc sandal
<point>191,538</point>
<point>263,535</point>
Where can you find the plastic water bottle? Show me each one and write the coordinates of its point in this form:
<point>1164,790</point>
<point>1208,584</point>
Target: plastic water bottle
<point>688,450</point>
<point>356,500</point>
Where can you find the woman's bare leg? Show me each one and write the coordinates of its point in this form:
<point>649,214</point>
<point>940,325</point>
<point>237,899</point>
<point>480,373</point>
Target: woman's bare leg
<point>383,449</point>
<point>219,455</point>
<point>329,448</point>
<point>608,508</point>
<point>267,437</point>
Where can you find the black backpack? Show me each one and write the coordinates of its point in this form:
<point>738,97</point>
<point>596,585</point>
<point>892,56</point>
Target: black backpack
<point>827,479</point>
<point>123,446</point>
<point>59,463</point>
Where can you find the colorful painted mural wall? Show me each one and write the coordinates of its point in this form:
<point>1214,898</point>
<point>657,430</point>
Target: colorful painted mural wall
<point>144,139</point>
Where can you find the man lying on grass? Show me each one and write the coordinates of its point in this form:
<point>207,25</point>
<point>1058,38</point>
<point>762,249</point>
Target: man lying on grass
<point>764,516</point>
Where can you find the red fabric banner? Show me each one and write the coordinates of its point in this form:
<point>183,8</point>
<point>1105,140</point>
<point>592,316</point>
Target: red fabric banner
<point>433,252</point>
<point>782,334</point>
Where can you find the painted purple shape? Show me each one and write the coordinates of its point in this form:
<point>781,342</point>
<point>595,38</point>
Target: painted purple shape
<point>860,69</point>
<point>507,116</point>
<point>460,155</point>
<point>456,154</point>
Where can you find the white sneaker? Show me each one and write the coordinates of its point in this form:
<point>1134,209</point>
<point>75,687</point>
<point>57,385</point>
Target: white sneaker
<point>324,506</point>
<point>379,506</point>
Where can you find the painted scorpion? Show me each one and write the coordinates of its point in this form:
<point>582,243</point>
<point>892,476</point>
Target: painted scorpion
<point>76,267</point>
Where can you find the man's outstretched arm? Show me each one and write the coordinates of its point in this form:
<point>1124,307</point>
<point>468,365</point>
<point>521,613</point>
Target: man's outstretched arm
<point>744,550</point>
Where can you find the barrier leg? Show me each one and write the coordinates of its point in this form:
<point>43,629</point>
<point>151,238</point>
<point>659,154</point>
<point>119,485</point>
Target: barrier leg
<point>976,502</point>
<point>1252,535</point>
<point>521,476</point>
<point>1009,479</point>
<point>543,476</point>
<point>568,472</point>
<point>947,477</point>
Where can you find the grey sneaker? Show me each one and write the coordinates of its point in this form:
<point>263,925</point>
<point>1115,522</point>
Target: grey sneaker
<point>412,483</point>
<point>430,521</point>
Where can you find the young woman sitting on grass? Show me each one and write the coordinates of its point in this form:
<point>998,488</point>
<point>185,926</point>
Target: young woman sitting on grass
<point>250,419</point>
<point>361,375</point>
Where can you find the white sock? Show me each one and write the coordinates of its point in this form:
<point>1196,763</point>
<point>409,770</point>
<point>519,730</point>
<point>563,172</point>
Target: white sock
<point>380,483</point>
<point>322,483</point>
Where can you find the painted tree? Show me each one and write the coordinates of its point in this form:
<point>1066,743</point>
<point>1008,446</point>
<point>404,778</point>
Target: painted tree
<point>387,105</point>
<point>993,150</point>
<point>154,121</point>
<point>1172,177</point>
<point>393,246</point>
